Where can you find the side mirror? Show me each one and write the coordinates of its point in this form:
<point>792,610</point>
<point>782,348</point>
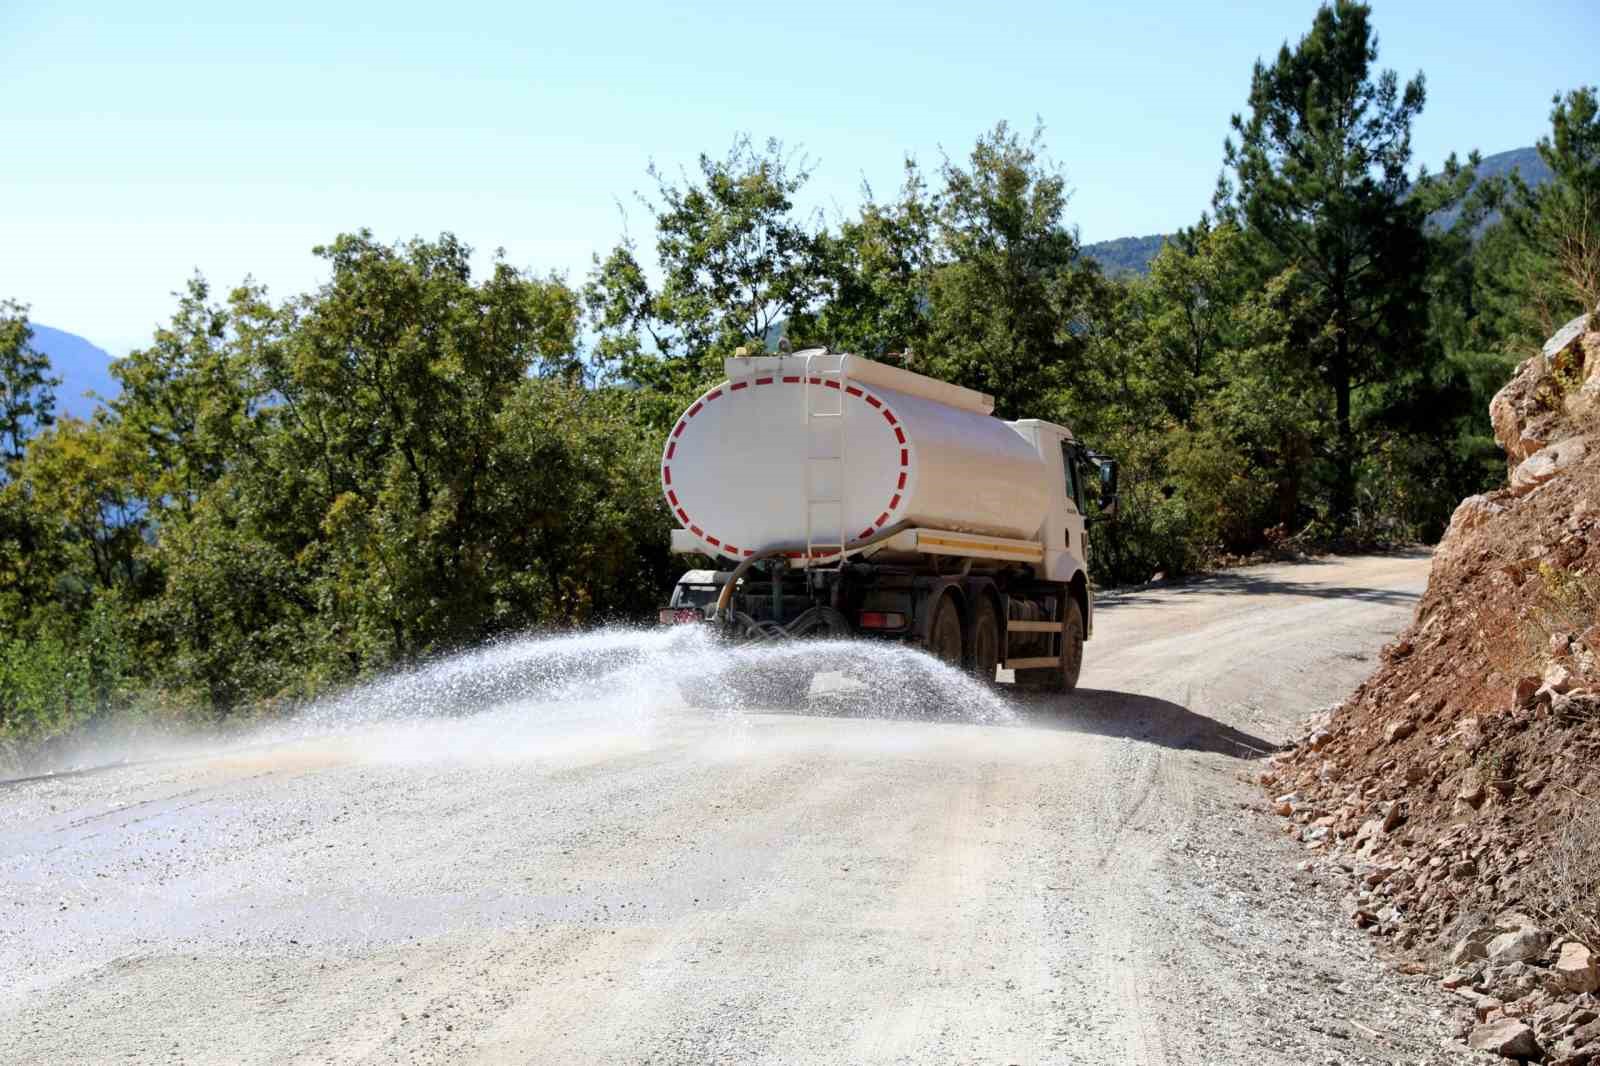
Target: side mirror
<point>1108,486</point>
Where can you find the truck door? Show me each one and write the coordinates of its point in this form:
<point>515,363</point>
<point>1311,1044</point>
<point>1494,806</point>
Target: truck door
<point>1077,539</point>
<point>1063,534</point>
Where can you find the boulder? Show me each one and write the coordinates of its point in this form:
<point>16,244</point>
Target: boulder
<point>1539,432</point>
<point>1546,463</point>
<point>1524,691</point>
<point>1568,1053</point>
<point>1509,919</point>
<point>1393,816</point>
<point>1473,946</point>
<point>1577,968</point>
<point>1473,512</point>
<point>1519,945</point>
<point>1515,405</point>
<point>1399,729</point>
<point>1590,346</point>
<point>1564,338</point>
<point>1507,1038</point>
<point>1524,423</point>
<point>1558,679</point>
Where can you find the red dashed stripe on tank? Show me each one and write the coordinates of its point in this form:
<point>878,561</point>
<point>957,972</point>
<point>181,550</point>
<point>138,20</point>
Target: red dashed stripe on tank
<point>722,546</point>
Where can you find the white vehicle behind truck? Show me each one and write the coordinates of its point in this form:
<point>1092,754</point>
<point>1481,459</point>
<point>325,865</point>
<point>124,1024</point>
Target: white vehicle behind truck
<point>844,497</point>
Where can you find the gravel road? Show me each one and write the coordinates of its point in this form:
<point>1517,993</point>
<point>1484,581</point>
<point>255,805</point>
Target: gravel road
<point>1087,879</point>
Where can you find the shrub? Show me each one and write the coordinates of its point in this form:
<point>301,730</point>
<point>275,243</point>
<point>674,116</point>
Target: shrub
<point>56,678</point>
<point>1566,875</point>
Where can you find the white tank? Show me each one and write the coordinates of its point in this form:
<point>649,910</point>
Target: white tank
<point>879,446</point>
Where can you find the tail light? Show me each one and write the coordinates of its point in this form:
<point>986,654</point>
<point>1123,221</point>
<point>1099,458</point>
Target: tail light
<point>881,620</point>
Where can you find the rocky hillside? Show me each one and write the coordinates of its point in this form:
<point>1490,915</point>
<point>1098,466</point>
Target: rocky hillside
<point>1458,788</point>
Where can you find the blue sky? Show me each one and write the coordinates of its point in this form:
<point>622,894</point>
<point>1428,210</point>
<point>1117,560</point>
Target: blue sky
<point>151,139</point>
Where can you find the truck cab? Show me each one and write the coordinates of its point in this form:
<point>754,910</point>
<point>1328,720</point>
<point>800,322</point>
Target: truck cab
<point>1065,530</point>
<point>694,597</point>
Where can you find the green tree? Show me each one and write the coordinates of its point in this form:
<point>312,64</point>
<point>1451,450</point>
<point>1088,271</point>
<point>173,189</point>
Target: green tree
<point>188,401</point>
<point>1197,282</point>
<point>27,391</point>
<point>389,381</point>
<point>235,614</point>
<point>34,556</point>
<point>1544,268</point>
<point>1320,185</point>
<point>575,510</point>
<point>737,264</point>
<point>877,268</point>
<point>80,476</point>
<point>1009,282</point>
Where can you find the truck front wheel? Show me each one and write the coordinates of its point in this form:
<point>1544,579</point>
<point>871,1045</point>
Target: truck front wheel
<point>1062,678</point>
<point>1066,679</point>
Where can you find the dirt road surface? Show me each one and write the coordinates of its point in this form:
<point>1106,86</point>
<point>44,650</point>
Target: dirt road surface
<point>1091,883</point>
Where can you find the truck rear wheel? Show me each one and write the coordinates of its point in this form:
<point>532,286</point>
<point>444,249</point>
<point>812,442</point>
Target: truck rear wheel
<point>984,645</point>
<point>944,633</point>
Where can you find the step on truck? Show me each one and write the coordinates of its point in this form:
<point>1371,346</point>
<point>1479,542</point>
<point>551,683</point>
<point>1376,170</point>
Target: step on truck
<point>847,498</point>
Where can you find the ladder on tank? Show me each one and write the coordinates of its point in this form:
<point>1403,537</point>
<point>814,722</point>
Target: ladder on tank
<point>825,452</point>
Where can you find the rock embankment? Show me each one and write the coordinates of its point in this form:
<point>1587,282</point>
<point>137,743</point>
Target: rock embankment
<point>1458,788</point>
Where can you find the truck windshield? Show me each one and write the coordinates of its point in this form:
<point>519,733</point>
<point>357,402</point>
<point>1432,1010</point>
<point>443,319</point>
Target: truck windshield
<point>693,595</point>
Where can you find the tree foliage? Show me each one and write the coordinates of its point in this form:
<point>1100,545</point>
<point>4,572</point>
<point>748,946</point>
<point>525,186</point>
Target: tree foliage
<point>1543,265</point>
<point>288,494</point>
<point>1320,185</point>
<point>736,263</point>
<point>27,391</point>
<point>876,274</point>
<point>1009,281</point>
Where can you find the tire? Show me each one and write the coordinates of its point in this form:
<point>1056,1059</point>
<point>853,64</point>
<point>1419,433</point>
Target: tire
<point>1071,648</point>
<point>944,633</point>
<point>983,645</point>
<point>1062,678</point>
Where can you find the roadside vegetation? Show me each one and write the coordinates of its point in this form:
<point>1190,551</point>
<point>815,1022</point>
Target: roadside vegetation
<point>291,492</point>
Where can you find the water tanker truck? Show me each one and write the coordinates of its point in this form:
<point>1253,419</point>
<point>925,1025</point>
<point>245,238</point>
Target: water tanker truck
<point>843,497</point>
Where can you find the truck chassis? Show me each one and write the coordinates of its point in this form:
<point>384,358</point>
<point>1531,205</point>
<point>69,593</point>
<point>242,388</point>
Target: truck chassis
<point>977,614</point>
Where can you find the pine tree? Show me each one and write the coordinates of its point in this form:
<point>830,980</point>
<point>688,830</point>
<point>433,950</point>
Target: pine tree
<point>1548,266</point>
<point>1321,188</point>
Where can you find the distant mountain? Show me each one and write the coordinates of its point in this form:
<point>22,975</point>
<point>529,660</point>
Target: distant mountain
<point>1132,255</point>
<point>1126,255</point>
<point>1525,161</point>
<point>81,366</point>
